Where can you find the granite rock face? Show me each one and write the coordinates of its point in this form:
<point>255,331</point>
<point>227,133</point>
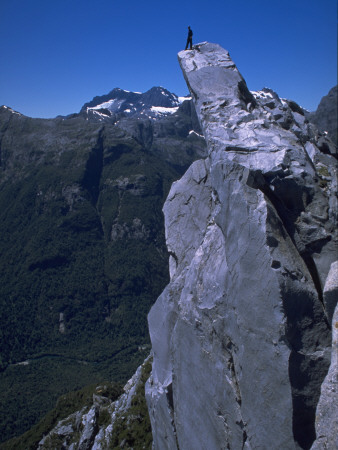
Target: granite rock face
<point>240,338</point>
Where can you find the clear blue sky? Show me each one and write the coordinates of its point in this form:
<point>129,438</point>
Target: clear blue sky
<point>57,54</point>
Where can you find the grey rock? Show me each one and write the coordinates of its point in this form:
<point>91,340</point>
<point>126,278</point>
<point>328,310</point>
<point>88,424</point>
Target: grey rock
<point>331,291</point>
<point>240,123</point>
<point>187,205</point>
<point>89,423</point>
<point>64,431</point>
<point>76,431</point>
<point>83,430</point>
<point>327,410</point>
<point>239,336</point>
<point>326,115</point>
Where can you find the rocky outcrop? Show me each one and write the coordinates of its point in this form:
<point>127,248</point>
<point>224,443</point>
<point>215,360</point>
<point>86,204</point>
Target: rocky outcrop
<point>326,115</point>
<point>240,338</point>
<point>106,424</point>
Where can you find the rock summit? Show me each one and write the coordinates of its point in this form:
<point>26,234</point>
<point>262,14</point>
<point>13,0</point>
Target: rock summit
<point>241,336</point>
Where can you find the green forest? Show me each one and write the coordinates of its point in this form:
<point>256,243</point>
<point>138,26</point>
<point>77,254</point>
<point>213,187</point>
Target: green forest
<point>83,258</point>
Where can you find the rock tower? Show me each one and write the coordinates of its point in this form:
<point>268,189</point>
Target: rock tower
<point>241,336</point>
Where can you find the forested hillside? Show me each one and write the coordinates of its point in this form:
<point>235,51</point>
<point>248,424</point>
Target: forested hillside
<point>83,254</point>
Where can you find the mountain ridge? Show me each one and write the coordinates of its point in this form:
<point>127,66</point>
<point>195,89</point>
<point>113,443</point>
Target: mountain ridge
<point>155,102</point>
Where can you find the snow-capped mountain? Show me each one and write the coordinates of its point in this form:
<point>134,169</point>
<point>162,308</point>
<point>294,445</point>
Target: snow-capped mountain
<point>156,102</point>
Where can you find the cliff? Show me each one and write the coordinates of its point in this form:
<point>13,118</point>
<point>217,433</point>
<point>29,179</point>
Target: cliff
<point>241,336</point>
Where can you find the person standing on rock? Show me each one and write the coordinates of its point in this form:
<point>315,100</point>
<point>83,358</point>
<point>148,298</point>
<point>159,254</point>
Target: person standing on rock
<point>189,39</point>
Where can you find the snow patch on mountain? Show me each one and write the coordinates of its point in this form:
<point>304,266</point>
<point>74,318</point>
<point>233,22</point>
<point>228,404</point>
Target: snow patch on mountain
<point>11,110</point>
<point>162,110</point>
<point>111,105</point>
<point>263,94</point>
<point>183,99</point>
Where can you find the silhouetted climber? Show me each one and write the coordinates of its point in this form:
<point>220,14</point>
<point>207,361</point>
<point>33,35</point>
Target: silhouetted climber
<point>189,39</point>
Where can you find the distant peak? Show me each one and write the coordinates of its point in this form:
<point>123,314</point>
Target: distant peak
<point>156,102</point>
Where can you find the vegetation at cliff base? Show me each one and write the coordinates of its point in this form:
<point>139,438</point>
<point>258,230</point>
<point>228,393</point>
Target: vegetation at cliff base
<point>65,406</point>
<point>133,430</point>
